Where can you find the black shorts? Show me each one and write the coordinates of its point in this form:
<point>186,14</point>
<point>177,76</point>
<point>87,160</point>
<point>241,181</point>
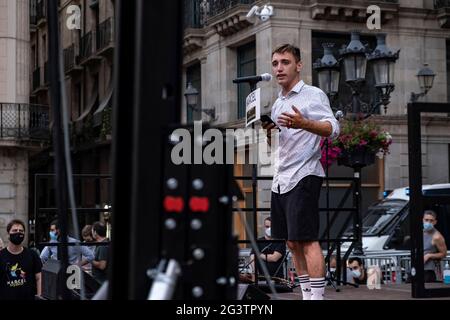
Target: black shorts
<point>295,214</point>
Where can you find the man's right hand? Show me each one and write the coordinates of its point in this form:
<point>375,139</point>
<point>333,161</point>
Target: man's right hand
<point>269,127</point>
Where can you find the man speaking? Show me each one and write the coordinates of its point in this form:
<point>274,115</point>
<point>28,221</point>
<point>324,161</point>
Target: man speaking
<point>304,115</point>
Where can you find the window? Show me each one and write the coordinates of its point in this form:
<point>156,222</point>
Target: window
<point>194,76</point>
<point>368,93</point>
<point>44,47</point>
<point>78,100</point>
<point>246,66</point>
<point>34,57</point>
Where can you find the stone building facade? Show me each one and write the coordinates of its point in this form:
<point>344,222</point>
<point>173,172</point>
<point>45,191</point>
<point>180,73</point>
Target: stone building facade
<point>23,126</point>
<point>88,68</point>
<point>220,44</point>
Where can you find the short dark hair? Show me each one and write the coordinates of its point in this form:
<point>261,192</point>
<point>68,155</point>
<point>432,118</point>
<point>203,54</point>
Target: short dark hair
<point>55,223</point>
<point>99,228</point>
<point>268,219</point>
<point>13,222</point>
<point>86,231</point>
<point>295,51</point>
<point>359,260</point>
<point>431,213</point>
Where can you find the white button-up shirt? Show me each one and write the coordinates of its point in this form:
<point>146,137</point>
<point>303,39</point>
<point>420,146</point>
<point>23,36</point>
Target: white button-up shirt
<point>299,151</point>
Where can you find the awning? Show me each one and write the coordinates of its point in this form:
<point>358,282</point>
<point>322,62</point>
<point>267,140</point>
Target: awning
<point>90,106</point>
<point>103,105</point>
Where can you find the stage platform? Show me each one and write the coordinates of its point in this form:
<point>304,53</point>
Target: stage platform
<point>387,292</point>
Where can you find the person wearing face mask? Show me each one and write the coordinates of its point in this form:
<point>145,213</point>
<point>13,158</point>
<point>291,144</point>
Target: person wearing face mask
<point>80,255</point>
<point>434,248</point>
<point>356,272</point>
<point>271,253</point>
<point>20,267</point>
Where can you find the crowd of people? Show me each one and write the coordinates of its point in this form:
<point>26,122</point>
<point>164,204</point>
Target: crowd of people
<point>21,267</point>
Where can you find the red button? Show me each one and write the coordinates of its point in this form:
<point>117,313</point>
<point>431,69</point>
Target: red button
<point>198,204</point>
<point>173,204</point>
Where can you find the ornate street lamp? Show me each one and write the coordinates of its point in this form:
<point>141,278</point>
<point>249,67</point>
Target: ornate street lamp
<point>328,70</point>
<point>425,76</point>
<point>191,94</point>
<point>383,61</point>
<point>354,59</point>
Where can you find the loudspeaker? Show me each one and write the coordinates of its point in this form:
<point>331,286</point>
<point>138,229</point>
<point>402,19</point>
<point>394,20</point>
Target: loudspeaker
<point>51,279</point>
<point>250,292</point>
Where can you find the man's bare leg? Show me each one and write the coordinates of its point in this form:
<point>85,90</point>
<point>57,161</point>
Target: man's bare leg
<point>301,268</point>
<point>316,268</point>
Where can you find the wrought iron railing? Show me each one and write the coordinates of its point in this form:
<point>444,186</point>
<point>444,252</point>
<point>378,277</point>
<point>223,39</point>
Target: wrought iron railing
<point>69,58</point>
<point>41,12</point>
<point>104,34</point>
<point>220,6</point>
<point>192,14</point>
<point>439,4</point>
<point>33,12</point>
<point>86,46</point>
<point>197,12</point>
<point>24,121</point>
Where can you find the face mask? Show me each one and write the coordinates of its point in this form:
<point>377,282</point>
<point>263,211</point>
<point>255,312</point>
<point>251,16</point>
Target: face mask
<point>356,273</point>
<point>332,269</point>
<point>268,233</point>
<point>16,238</point>
<point>427,226</point>
<point>53,235</point>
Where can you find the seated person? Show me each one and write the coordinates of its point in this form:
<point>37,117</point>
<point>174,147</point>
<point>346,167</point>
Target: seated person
<point>271,253</point>
<point>332,264</point>
<point>356,273</point>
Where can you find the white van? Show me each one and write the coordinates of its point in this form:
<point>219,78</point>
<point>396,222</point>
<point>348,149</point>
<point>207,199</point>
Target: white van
<point>386,224</point>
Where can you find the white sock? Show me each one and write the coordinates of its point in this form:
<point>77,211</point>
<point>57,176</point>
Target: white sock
<point>317,288</point>
<point>305,286</point>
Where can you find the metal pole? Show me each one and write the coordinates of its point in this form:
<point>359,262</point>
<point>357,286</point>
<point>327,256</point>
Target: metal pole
<point>254,188</point>
<point>358,218</point>
<point>58,142</point>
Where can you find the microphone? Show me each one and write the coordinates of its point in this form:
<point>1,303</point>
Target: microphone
<point>262,77</point>
<point>339,115</point>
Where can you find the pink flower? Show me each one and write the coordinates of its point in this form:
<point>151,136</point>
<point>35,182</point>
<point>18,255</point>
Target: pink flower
<point>363,142</point>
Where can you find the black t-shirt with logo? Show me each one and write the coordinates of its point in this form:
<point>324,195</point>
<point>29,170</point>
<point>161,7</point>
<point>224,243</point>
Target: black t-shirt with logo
<point>18,274</point>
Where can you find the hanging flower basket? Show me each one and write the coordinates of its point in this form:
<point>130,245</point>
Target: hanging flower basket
<point>358,143</point>
<point>357,158</point>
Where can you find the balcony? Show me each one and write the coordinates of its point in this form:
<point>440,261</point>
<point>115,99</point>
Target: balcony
<point>41,13</point>
<point>443,12</point>
<point>194,20</point>
<point>222,6</point>
<point>71,60</point>
<point>351,10</point>
<point>21,122</point>
<point>33,15</point>
<point>87,55</point>
<point>193,15</point>
<point>105,38</point>
<point>227,17</point>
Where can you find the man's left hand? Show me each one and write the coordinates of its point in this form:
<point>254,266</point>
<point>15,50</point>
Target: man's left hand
<point>295,120</point>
